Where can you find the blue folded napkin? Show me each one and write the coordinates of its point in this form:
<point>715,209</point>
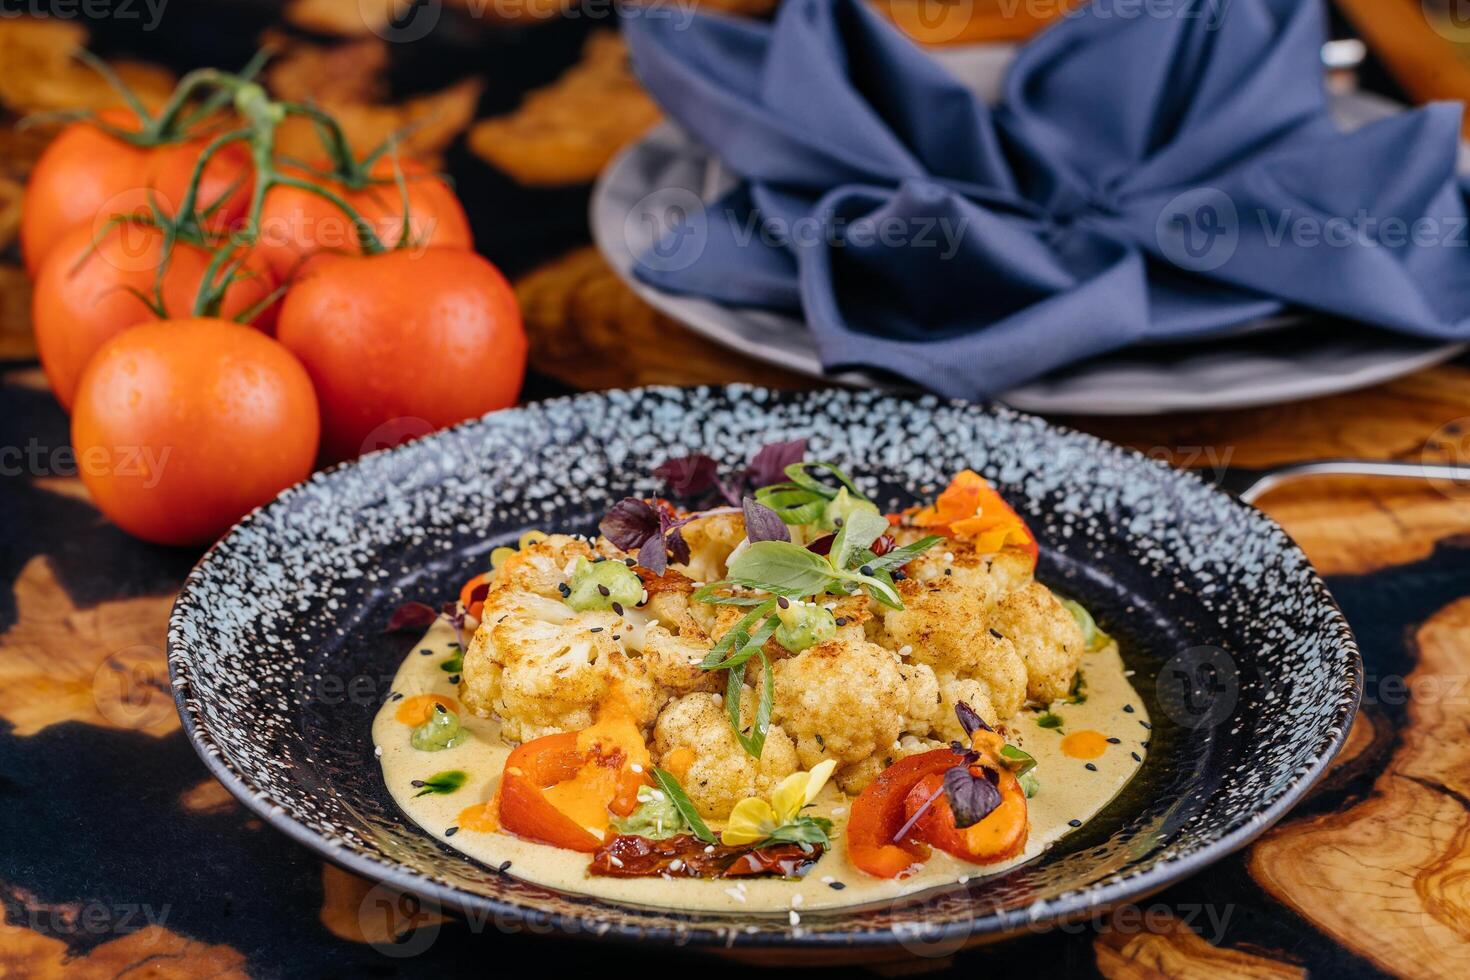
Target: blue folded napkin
<point>1169,174</point>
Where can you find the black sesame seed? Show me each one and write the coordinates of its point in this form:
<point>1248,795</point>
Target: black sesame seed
<point>617,607</point>
<point>783,602</point>
<point>1144,743</point>
<point>598,559</point>
<point>866,569</point>
<point>1090,767</point>
<point>396,696</point>
<point>1145,724</point>
<point>504,867</point>
<point>454,678</point>
<point>949,571</point>
<point>595,629</point>
<point>604,590</point>
<point>631,562</point>
<point>841,621</point>
<point>899,575</point>
<point>836,886</point>
<point>1114,741</point>
<point>1136,757</point>
<point>564,589</point>
<point>439,708</point>
<point>415,783</point>
<point>451,831</point>
<point>1074,823</point>
<point>1128,708</point>
<point>425,653</point>
<point>997,633</point>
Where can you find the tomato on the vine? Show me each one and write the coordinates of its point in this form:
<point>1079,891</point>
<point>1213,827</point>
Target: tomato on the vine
<point>296,224</point>
<point>433,336</point>
<point>181,427</point>
<point>88,292</point>
<point>86,175</point>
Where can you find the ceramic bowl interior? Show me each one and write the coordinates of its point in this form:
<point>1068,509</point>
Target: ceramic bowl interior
<point>279,659</point>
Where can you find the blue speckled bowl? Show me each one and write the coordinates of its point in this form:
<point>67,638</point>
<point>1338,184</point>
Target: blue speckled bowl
<point>1249,670</point>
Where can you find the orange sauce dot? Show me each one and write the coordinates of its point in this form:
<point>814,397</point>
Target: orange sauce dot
<point>1085,744</point>
<point>415,711</point>
<point>480,818</point>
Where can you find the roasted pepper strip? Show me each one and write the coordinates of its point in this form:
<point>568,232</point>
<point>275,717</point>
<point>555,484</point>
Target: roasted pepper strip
<point>524,809</point>
<point>878,815</point>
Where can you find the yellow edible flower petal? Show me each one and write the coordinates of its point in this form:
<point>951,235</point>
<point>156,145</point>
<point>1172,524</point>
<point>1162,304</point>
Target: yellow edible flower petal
<point>752,820</point>
<point>789,797</point>
<point>818,777</point>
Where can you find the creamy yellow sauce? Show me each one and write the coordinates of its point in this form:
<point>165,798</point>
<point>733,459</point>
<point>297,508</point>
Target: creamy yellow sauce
<point>1070,791</point>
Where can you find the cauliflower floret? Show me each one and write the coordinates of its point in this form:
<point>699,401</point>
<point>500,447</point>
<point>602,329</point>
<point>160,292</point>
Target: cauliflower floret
<point>947,625</point>
<point>542,566</point>
<point>722,773</point>
<point>847,699</point>
<point>711,540</point>
<point>673,660</point>
<point>543,668</point>
<point>852,779</point>
<point>1045,634</point>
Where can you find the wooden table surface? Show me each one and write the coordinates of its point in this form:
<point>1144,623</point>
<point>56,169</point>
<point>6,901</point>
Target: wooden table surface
<point>121,857</point>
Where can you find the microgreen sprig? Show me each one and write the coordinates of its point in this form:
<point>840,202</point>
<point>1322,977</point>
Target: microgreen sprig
<point>772,571</point>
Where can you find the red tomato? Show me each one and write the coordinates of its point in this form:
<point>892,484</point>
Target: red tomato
<point>296,224</point>
<point>433,336</point>
<point>181,427</point>
<point>86,295</point>
<point>86,175</point>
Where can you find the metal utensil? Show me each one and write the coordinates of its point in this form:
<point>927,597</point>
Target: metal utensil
<point>1250,484</point>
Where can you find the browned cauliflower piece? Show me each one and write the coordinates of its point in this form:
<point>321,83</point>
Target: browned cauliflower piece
<point>722,773</point>
<point>853,778</point>
<point>711,541</point>
<point>952,691</point>
<point>542,566</point>
<point>946,624</point>
<point>848,699</point>
<point>1045,634</point>
<point>541,667</point>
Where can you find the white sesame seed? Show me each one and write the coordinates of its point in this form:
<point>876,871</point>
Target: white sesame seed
<point>657,794</point>
<point>828,879</point>
<point>718,698</point>
<point>378,751</point>
<point>614,860</point>
<point>709,849</point>
<point>839,811</point>
<point>793,917</point>
<point>964,878</point>
<point>949,556</point>
<point>905,650</point>
<point>675,864</point>
<point>636,767</point>
<point>736,894</point>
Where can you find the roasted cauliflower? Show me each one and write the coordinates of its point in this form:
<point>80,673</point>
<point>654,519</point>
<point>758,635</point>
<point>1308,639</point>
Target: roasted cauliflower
<point>719,772</point>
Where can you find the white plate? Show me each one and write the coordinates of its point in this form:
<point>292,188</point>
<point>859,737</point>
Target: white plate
<point>1261,363</point>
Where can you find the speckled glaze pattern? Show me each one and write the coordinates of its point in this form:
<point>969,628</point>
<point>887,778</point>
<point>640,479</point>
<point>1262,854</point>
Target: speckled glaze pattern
<point>279,661</point>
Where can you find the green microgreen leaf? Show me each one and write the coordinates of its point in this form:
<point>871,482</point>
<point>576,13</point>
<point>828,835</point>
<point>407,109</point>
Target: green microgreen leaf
<point>441,783</point>
<point>453,665</point>
<point>793,504</point>
<point>711,594</point>
<point>860,530</point>
<point>805,830</point>
<point>781,568</point>
<point>683,804</point>
<point>899,557</point>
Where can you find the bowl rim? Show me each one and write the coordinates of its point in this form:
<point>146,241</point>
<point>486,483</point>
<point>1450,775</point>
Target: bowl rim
<point>992,924</point>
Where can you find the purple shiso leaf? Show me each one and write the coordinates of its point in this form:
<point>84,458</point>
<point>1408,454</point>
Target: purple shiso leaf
<point>653,555</point>
<point>409,615</point>
<point>971,797</point>
<point>630,523</point>
<point>768,466</point>
<point>762,523</point>
<point>689,476</point>
<point>970,719</point>
<point>678,547</point>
